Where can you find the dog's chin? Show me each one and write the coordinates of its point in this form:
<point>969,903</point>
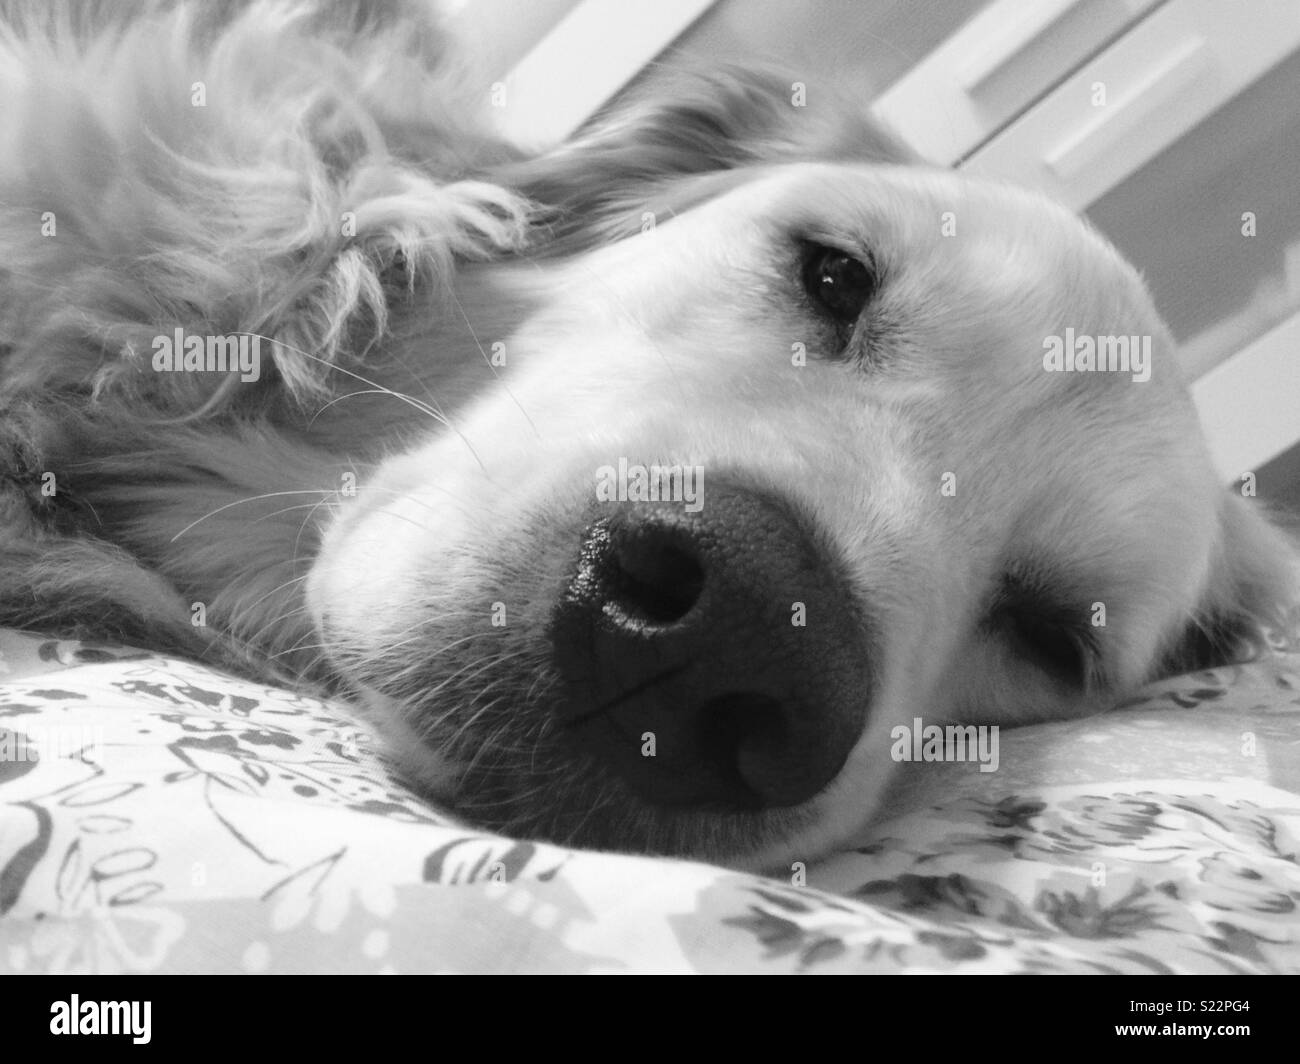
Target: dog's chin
<point>497,759</point>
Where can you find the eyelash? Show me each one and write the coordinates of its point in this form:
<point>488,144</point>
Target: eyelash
<point>1051,636</point>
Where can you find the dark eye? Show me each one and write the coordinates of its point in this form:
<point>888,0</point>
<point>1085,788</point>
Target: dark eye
<point>1044,628</point>
<point>837,283</point>
<point>1053,646</point>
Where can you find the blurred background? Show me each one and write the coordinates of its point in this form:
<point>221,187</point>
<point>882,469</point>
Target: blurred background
<point>1174,125</point>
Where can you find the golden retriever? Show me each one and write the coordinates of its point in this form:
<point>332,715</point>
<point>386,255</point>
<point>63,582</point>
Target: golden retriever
<point>638,488</point>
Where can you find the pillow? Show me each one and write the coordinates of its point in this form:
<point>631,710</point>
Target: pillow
<point>157,816</point>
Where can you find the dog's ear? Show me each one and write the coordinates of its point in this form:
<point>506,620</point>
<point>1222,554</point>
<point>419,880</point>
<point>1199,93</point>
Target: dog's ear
<point>1252,597</point>
<point>636,154</point>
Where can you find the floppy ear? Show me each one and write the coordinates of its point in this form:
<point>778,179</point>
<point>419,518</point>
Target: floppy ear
<point>634,156</point>
<point>1253,595</point>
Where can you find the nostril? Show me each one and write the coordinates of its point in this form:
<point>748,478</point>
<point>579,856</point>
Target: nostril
<point>674,626</point>
<point>750,736</point>
<point>654,580</point>
<point>728,722</point>
<point>733,727</point>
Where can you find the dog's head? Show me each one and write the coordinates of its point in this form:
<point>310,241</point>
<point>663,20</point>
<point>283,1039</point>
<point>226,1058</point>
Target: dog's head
<point>729,438</point>
<point>790,441</point>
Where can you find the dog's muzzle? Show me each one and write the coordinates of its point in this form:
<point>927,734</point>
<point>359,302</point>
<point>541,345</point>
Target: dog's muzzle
<point>711,659</point>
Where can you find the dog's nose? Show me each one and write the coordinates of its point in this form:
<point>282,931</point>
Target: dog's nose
<point>713,658</point>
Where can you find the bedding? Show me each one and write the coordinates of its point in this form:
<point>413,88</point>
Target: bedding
<point>157,816</point>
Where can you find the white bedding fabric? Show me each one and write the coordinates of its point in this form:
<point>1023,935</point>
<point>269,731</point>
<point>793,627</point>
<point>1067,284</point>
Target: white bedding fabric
<point>178,820</point>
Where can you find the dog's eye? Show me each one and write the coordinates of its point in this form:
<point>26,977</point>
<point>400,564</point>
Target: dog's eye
<point>837,283</point>
<point>1058,647</point>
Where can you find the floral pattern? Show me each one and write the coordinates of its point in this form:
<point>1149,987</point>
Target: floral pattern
<point>156,816</point>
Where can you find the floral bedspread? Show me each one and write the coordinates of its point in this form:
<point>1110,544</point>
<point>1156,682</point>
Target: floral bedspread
<point>156,816</point>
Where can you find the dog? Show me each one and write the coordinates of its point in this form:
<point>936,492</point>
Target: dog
<point>636,488</point>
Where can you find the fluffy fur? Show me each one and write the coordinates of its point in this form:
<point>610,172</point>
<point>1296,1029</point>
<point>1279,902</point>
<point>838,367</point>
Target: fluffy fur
<point>350,520</point>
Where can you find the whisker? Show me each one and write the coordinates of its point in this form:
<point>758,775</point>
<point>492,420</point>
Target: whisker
<point>437,415</point>
<point>262,598</point>
<point>488,362</point>
<point>419,405</point>
<point>248,499</point>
